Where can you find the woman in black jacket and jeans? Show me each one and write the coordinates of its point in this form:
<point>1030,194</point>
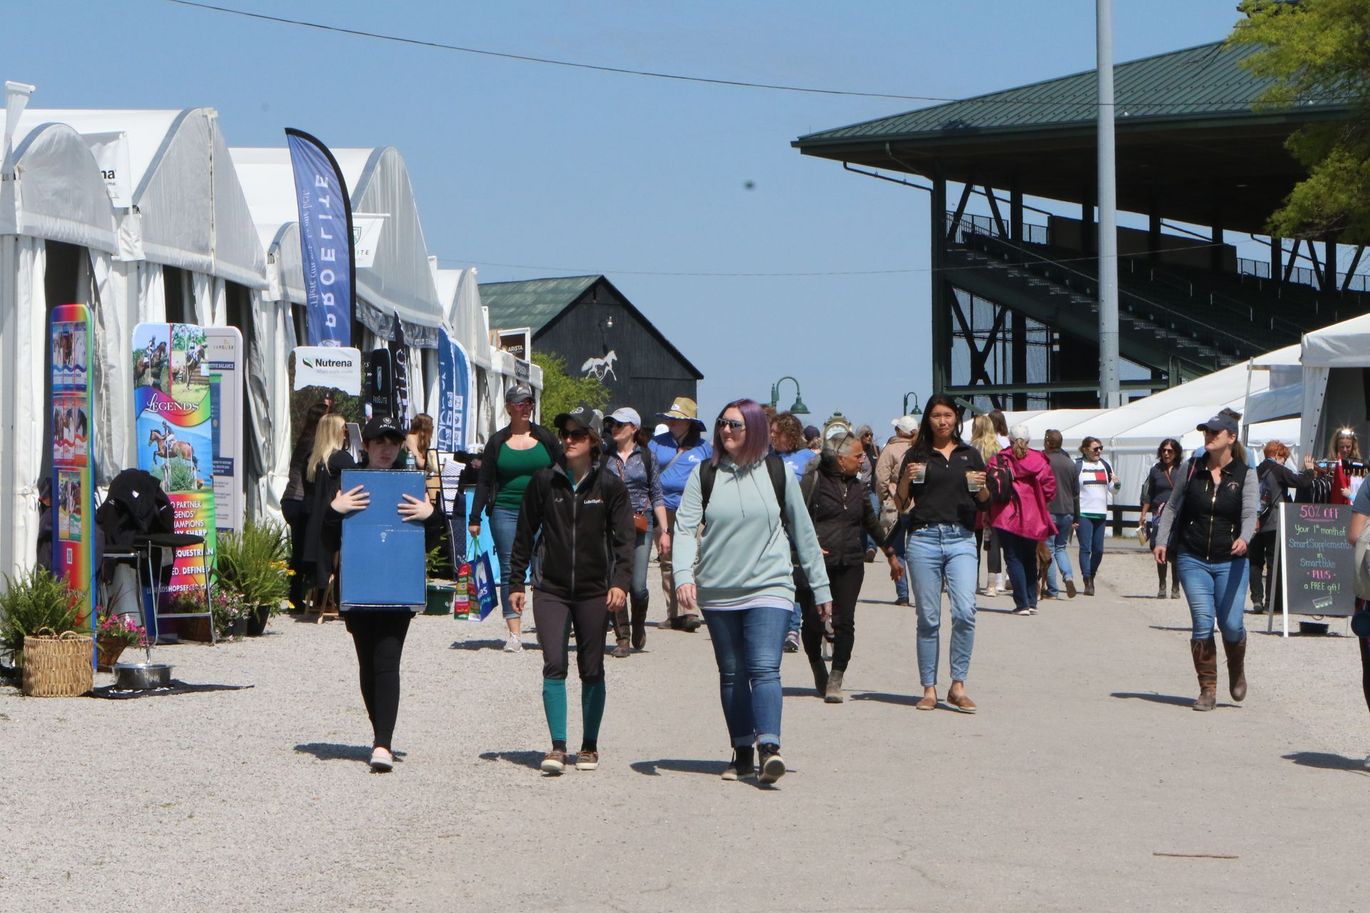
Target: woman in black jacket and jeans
<point>580,522</point>
<point>842,517</point>
<point>1160,482</point>
<point>1208,523</point>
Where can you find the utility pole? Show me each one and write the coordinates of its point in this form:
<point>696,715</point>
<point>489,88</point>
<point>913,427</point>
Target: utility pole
<point>1110,390</point>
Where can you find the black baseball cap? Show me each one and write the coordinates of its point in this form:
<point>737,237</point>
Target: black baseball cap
<point>518,393</point>
<point>583,415</point>
<point>382,426</point>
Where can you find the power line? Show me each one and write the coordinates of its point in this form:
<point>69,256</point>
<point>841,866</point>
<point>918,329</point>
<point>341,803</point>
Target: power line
<point>708,80</point>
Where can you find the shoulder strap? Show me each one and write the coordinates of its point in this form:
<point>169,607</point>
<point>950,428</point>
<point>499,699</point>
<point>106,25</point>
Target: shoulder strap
<point>707,471</point>
<point>648,464</point>
<point>808,484</point>
<point>1079,464</point>
<point>777,469</point>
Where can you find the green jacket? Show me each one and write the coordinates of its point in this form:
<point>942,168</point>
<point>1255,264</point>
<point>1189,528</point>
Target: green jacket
<point>742,552</point>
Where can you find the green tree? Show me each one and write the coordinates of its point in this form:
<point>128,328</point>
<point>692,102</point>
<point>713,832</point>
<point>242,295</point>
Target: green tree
<point>562,392</point>
<point>1317,51</point>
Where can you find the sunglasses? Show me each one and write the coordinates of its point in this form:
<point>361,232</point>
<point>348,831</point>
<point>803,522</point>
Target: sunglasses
<point>731,423</point>
<point>577,434</point>
<point>526,404</point>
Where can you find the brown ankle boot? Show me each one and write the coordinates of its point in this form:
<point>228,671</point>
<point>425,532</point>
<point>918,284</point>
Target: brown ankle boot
<point>1205,653</point>
<point>621,648</point>
<point>1089,586</point>
<point>1236,668</point>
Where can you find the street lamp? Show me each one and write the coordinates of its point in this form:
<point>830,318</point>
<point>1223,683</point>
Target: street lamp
<point>915,410</point>
<point>798,408</point>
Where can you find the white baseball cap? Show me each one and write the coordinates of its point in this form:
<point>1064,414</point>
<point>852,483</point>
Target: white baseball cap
<point>626,416</point>
<point>905,424</point>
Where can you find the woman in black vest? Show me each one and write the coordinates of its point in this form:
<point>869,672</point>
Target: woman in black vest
<point>1208,522</point>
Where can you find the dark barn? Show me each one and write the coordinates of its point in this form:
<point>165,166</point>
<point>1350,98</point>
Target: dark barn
<point>599,332</point>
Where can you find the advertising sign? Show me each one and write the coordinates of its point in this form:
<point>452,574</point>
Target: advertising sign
<point>330,367</point>
<point>454,395</point>
<point>73,498</point>
<point>173,405</point>
<point>1317,564</point>
<point>223,366</point>
<point>330,279</point>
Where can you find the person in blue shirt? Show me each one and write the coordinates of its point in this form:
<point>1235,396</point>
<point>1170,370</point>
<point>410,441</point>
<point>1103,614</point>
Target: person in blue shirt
<point>677,452</point>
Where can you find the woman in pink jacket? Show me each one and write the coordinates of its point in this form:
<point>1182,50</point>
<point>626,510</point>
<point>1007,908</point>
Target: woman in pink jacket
<point>1024,520</point>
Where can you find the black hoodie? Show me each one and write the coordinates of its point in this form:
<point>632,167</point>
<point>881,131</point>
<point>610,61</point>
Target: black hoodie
<point>583,537</point>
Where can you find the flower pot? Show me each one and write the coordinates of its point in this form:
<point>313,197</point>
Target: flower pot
<point>440,597</point>
<point>237,628</point>
<point>109,650</point>
<point>256,621</point>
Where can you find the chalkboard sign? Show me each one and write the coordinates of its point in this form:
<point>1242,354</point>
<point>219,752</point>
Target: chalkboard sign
<point>1316,561</point>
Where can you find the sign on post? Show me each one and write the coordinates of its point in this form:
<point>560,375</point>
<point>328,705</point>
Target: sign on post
<point>73,498</point>
<point>1317,564</point>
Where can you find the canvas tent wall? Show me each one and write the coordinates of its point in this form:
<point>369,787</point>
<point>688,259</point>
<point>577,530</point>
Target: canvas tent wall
<point>1336,383</point>
<point>185,241</point>
<point>52,196</point>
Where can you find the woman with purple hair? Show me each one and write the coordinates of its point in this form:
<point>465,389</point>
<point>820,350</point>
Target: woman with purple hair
<point>737,518</point>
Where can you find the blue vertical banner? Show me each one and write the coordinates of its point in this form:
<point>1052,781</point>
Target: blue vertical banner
<point>330,272</point>
<point>454,395</point>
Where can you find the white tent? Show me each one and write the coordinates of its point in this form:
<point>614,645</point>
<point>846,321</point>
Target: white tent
<point>51,190</point>
<point>1336,374</point>
<point>177,203</point>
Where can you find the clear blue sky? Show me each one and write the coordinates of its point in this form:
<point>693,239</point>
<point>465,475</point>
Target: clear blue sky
<point>527,170</point>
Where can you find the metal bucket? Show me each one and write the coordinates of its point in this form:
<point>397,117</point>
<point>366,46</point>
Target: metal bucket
<point>141,676</point>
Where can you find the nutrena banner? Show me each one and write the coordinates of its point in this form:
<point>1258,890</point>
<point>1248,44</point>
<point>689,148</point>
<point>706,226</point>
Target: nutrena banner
<point>330,273</point>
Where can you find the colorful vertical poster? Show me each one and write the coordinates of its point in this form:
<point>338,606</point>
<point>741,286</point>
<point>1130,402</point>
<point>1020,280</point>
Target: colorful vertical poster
<point>454,395</point>
<point>173,405</point>
<point>73,498</point>
<point>223,367</point>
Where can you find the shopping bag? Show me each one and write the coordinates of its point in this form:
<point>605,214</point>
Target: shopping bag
<point>464,608</point>
<point>484,580</point>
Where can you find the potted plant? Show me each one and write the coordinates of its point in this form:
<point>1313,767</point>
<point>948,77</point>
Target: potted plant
<point>254,563</point>
<point>43,630</point>
<point>32,603</point>
<point>440,589</point>
<point>113,635</point>
<point>230,613</point>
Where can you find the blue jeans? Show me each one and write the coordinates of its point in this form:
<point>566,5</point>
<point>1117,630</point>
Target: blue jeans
<point>642,553</point>
<point>1091,533</point>
<point>504,523</point>
<point>747,647</point>
<point>935,552</point>
<point>1020,554</point>
<point>899,542</point>
<point>1214,589</point>
<point>1060,557</point>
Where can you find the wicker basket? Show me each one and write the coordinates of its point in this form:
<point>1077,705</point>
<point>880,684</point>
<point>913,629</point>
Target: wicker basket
<point>58,666</point>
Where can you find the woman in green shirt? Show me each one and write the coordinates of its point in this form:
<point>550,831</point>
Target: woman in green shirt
<point>509,461</point>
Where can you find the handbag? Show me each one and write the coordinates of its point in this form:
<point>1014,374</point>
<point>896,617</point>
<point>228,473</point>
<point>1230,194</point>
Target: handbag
<point>640,522</point>
<point>484,579</point>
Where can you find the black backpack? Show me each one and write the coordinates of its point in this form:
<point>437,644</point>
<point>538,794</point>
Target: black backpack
<point>775,467</point>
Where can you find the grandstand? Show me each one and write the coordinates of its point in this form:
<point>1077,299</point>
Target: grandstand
<point>1014,292</point>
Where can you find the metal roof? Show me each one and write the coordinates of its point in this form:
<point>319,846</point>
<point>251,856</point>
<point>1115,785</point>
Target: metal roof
<point>1199,82</point>
<point>531,303</point>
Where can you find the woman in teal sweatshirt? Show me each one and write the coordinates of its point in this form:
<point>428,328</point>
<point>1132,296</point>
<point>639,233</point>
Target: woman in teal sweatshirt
<point>732,560</point>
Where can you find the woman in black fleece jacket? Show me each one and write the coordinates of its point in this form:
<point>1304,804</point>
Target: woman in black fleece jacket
<point>581,523</point>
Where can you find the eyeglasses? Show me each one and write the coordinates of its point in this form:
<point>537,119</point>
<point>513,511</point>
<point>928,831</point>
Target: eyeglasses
<point>576,434</point>
<point>525,404</point>
<point>731,423</point>
<point>610,424</point>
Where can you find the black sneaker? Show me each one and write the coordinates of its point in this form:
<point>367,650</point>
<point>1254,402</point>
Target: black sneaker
<point>741,765</point>
<point>772,764</point>
<point>902,600</point>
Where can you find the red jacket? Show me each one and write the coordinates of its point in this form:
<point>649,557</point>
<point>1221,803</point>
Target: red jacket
<point>1034,485</point>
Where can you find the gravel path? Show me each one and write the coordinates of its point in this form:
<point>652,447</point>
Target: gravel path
<point>1083,764</point>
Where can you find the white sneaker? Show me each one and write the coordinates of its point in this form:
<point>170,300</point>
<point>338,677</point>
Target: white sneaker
<point>513,644</point>
<point>382,761</point>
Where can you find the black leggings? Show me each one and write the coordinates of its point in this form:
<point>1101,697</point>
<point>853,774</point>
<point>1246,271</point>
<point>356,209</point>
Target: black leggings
<point>845,582</point>
<point>554,617</point>
<point>1364,643</point>
<point>379,639</point>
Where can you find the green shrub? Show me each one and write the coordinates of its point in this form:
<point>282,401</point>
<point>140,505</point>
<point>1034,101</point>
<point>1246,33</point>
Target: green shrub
<point>255,564</point>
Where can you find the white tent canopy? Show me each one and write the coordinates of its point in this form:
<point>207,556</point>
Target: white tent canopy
<point>1335,361</point>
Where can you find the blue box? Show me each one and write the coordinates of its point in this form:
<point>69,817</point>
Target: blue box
<point>382,561</point>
